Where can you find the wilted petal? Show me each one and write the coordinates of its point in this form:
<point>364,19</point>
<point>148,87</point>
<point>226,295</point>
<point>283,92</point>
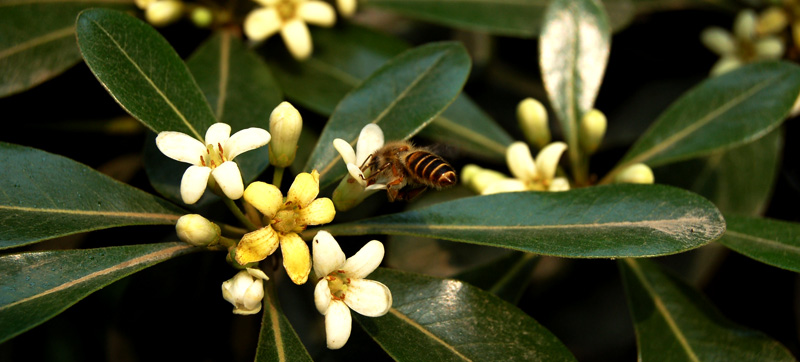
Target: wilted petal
<point>245,140</point>
<point>266,198</point>
<point>257,245</point>
<point>218,133</point>
<point>318,212</point>
<point>520,162</point>
<point>180,147</point>
<point>369,140</point>
<point>322,296</point>
<point>304,189</point>
<point>347,151</point>
<point>328,256</point>
<point>262,23</point>
<point>194,183</point>
<point>296,257</point>
<point>338,323</point>
<point>365,260</point>
<point>297,38</point>
<point>368,297</point>
<point>547,159</point>
<point>317,13</point>
<point>229,179</point>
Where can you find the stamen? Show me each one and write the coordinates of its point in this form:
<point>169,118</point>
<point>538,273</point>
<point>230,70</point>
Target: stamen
<point>221,153</point>
<point>202,161</point>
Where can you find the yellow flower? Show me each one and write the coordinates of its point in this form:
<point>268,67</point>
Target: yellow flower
<point>283,220</point>
<point>290,18</point>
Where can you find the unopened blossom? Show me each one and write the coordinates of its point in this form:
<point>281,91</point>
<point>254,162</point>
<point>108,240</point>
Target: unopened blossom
<point>290,18</point>
<point>283,219</point>
<point>342,286</point>
<point>592,130</point>
<point>211,157</point>
<point>353,188</point>
<point>638,173</point>
<point>529,173</point>
<point>245,291</point>
<point>161,12</point>
<point>285,124</point>
<point>197,230</point>
<point>744,45</point>
<point>532,117</point>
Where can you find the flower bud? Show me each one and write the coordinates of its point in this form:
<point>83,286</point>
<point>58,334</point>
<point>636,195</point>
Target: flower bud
<point>744,26</point>
<point>197,230</point>
<point>718,40</point>
<point>245,291</point>
<point>532,118</point>
<point>202,17</point>
<point>593,128</point>
<point>164,12</point>
<point>772,21</point>
<point>478,178</point>
<point>636,174</point>
<point>285,125</point>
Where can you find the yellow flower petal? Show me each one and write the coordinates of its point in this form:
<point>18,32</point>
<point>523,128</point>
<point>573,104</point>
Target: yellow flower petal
<point>296,257</point>
<point>265,197</point>
<point>257,245</point>
<point>297,38</point>
<point>304,189</point>
<point>318,212</point>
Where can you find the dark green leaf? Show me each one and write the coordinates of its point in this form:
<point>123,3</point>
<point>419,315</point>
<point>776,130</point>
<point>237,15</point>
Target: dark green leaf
<point>720,113</point>
<point>505,277</point>
<point>573,49</point>
<point>402,97</point>
<point>38,41</point>
<point>142,72</point>
<point>597,222</point>
<point>674,322</point>
<point>728,177</point>
<point>435,319</point>
<point>278,341</point>
<point>39,285</point>
<point>773,242</point>
<point>46,196</point>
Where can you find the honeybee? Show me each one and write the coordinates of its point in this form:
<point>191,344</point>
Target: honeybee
<point>407,171</point>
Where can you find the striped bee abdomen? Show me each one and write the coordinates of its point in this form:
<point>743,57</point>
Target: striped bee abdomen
<point>430,169</point>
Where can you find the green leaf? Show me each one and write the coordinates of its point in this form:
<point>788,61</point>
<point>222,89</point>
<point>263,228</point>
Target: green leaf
<point>573,48</point>
<point>737,181</point>
<point>142,72</point>
<point>39,285</point>
<point>435,319</point>
<point>773,242</point>
<point>402,97</point>
<point>38,41</point>
<point>278,341</point>
<point>514,18</point>
<point>46,196</point>
<point>720,113</point>
<point>505,277</point>
<point>597,222</point>
<point>674,322</point>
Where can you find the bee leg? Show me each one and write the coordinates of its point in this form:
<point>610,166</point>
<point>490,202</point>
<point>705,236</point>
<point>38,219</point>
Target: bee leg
<point>371,178</point>
<point>366,162</point>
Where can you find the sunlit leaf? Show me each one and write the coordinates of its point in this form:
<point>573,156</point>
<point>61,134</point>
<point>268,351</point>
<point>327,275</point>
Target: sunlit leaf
<point>448,320</point>
<point>278,341</point>
<point>402,97</point>
<point>773,242</point>
<point>596,222</point>
<point>39,285</point>
<point>674,322</point>
<point>505,277</point>
<point>45,196</point>
<point>142,72</point>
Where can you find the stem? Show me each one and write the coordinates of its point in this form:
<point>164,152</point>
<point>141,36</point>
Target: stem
<point>232,230</point>
<point>277,177</point>
<point>579,164</point>
<point>238,213</point>
<point>227,242</point>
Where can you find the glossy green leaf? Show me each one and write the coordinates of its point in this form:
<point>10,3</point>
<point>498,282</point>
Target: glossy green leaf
<point>346,55</point>
<point>720,113</point>
<point>402,97</point>
<point>738,181</point>
<point>773,242</point>
<point>142,72</point>
<point>515,18</point>
<point>278,341</point>
<point>505,277</point>
<point>674,322</point>
<point>597,222</point>
<point>573,48</point>
<point>448,320</point>
<point>37,286</point>
<point>45,196</point>
<point>38,41</point>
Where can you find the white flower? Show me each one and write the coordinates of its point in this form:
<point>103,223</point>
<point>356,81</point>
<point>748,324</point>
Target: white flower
<point>744,45</point>
<point>342,286</point>
<point>245,291</point>
<point>530,174</point>
<point>290,18</point>
<point>353,189</point>
<point>213,157</point>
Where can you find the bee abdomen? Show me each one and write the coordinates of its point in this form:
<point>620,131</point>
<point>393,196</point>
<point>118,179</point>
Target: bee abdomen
<point>431,169</point>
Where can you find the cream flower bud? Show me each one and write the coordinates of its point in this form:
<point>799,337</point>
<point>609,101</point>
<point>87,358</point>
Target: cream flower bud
<point>478,178</point>
<point>718,40</point>
<point>744,26</point>
<point>772,21</point>
<point>770,47</point>
<point>202,17</point>
<point>637,174</point>
<point>164,12</point>
<point>245,291</point>
<point>285,124</point>
<point>593,128</point>
<point>197,230</point>
<point>532,118</point>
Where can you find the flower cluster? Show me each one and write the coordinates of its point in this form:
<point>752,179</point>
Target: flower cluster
<point>753,38</point>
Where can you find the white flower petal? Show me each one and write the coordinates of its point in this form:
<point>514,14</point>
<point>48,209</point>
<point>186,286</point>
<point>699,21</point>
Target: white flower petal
<point>338,323</point>
<point>347,151</point>
<point>322,296</point>
<point>297,38</point>
<point>180,147</point>
<point>356,173</point>
<point>375,187</point>
<point>317,13</point>
<point>245,140</point>
<point>229,179</point>
<point>559,184</point>
<point>368,297</point>
<point>520,161</point>
<point>262,23</point>
<point>369,140</point>
<point>194,183</point>
<point>506,185</point>
<point>547,159</point>
<point>218,133</point>
<point>257,273</point>
<point>364,261</point>
<point>251,300</point>
<point>327,255</point>
<point>346,7</point>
